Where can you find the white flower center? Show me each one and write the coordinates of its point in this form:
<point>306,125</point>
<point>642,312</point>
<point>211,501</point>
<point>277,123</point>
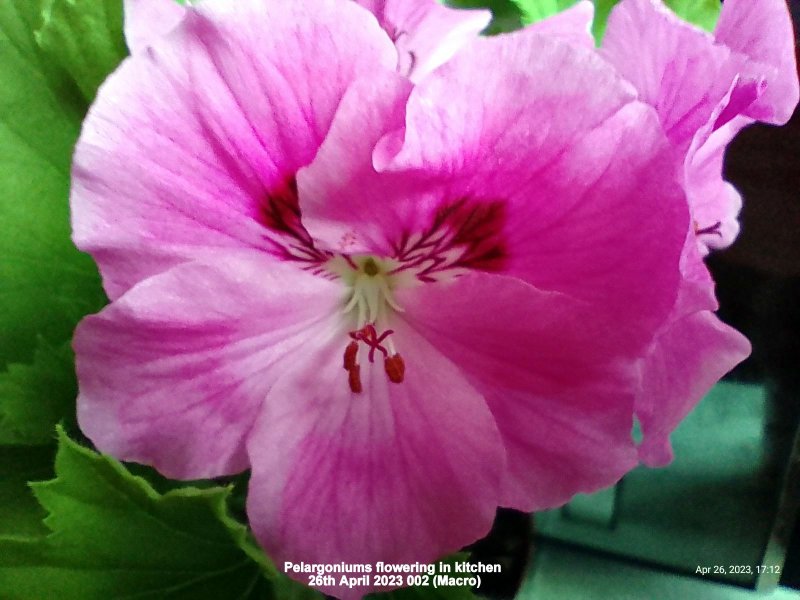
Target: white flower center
<point>371,283</point>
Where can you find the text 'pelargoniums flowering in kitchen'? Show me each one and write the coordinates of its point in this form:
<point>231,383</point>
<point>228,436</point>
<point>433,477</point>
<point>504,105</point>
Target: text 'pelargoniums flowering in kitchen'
<point>401,297</point>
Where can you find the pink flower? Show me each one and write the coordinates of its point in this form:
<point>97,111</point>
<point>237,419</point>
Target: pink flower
<point>706,88</point>
<point>400,304</point>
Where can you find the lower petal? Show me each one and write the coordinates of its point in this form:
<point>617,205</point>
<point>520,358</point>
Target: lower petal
<point>558,375</point>
<point>397,473</point>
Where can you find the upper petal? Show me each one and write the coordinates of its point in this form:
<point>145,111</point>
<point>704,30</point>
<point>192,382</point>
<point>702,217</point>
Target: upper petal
<point>582,175</point>
<point>398,473</point>
<point>425,32</point>
<point>761,30</point>
<point>173,373</point>
<point>148,20</point>
<point>193,142</point>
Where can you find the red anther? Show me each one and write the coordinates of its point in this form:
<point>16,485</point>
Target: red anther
<point>350,354</point>
<point>354,379</point>
<point>395,368</point>
<point>711,230</point>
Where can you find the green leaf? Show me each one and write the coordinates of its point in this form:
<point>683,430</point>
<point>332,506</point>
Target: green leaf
<point>703,13</point>
<point>85,37</point>
<point>113,536</point>
<point>506,15</point>
<point>536,10</point>
<point>46,285</point>
<point>21,514</point>
<point>35,397</point>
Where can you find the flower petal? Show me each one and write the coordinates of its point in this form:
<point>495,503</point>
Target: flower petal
<point>573,24</point>
<point>692,352</point>
<point>190,140</point>
<point>762,31</point>
<point>676,67</point>
<point>584,175</point>
<point>173,373</point>
<point>568,186</point>
<point>340,191</point>
<point>426,33</point>
<point>715,203</point>
<point>559,377</point>
<point>148,20</point>
<point>398,473</point>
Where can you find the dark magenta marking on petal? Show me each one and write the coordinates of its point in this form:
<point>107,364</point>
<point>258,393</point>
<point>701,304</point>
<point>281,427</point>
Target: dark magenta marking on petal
<point>280,213</point>
<point>474,227</point>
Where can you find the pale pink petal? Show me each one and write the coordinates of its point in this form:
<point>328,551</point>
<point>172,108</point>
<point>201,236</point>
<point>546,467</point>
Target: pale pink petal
<point>692,352</point>
<point>559,376</point>
<point>761,31</point>
<point>676,67</point>
<point>148,20</point>
<point>398,473</point>
<point>426,33</point>
<point>715,203</point>
<point>173,373</point>
<point>573,25</point>
<point>194,142</point>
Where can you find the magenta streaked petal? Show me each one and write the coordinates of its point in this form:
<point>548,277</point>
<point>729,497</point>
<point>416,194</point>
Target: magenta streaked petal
<point>190,138</point>
<point>342,196</point>
<point>426,33</point>
<point>585,173</point>
<point>691,353</point>
<point>762,31</point>
<point>173,373</point>
<point>676,67</point>
<point>558,374</point>
<point>398,473</point>
<point>148,20</point>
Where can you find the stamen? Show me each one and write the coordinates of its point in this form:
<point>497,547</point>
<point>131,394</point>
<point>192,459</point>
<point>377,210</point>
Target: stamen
<point>711,230</point>
<point>350,354</point>
<point>395,368</point>
<point>354,379</point>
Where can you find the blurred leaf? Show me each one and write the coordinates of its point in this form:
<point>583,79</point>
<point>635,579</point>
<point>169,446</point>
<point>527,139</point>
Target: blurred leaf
<point>113,536</point>
<point>506,15</point>
<point>35,397</point>
<point>703,13</point>
<point>536,10</point>
<point>21,514</point>
<point>46,285</point>
<point>84,37</point>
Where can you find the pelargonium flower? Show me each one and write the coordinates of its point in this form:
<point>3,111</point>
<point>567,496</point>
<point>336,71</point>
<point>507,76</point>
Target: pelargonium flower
<point>706,87</point>
<point>400,303</point>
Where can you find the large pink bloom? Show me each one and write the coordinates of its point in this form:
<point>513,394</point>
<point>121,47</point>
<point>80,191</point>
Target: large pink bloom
<point>400,305</point>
